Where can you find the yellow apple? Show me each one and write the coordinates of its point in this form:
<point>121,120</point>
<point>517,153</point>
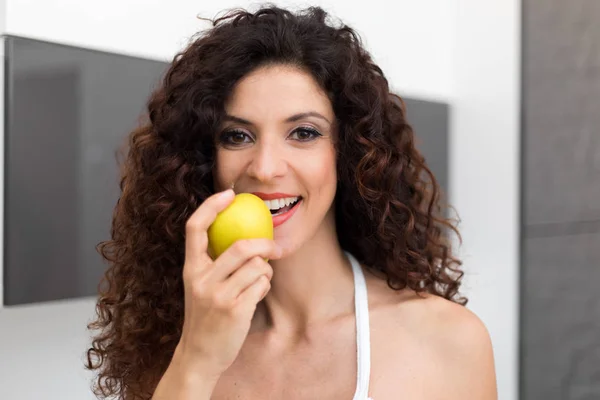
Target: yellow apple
<point>247,217</point>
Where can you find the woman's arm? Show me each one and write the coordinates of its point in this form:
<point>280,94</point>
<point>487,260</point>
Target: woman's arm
<point>185,380</point>
<point>468,357</point>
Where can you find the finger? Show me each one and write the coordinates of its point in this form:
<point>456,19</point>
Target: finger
<point>241,252</point>
<point>255,292</point>
<point>246,276</point>
<point>196,238</point>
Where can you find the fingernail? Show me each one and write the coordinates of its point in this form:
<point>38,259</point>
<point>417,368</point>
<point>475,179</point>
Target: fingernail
<point>226,193</point>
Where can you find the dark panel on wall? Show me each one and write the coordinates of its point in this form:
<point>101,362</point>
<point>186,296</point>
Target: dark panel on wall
<point>560,328</point>
<point>69,109</point>
<point>41,240</point>
<point>430,123</point>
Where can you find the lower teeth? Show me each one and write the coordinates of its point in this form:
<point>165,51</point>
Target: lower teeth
<point>285,209</point>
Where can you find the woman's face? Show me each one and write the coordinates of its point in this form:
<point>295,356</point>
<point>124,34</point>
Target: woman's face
<point>277,141</point>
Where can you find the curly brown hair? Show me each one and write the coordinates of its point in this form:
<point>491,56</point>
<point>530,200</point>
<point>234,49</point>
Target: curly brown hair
<point>388,209</point>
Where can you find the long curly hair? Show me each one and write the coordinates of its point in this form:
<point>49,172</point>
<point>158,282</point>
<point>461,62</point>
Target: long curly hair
<point>388,208</point>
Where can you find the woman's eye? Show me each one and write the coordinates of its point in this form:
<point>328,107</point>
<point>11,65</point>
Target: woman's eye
<point>305,134</point>
<point>235,138</point>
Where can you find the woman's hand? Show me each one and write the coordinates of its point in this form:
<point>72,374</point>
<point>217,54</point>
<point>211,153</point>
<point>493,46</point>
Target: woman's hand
<point>220,299</point>
<point>220,295</point>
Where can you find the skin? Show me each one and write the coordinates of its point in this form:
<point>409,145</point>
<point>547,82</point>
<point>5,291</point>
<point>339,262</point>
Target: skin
<point>302,340</point>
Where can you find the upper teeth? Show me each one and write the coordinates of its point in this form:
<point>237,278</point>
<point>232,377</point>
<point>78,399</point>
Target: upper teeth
<point>276,204</point>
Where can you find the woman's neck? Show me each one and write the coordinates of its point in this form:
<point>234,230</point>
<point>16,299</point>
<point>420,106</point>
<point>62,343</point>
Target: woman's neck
<point>314,284</point>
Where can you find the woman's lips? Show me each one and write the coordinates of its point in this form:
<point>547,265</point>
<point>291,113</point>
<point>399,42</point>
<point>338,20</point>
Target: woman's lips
<point>281,218</point>
<point>273,196</point>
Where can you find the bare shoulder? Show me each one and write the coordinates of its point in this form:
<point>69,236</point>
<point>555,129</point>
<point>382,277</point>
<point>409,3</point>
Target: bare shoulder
<point>452,324</point>
<point>450,341</point>
<point>458,333</point>
<point>460,343</point>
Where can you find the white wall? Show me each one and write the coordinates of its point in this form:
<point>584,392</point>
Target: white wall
<point>410,38</point>
<point>432,49</point>
<point>484,172</point>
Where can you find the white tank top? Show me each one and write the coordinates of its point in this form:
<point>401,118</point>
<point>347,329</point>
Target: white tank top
<point>363,337</point>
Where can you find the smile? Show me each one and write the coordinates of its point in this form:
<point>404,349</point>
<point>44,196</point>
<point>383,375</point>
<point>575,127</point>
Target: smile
<point>282,206</point>
<point>283,214</point>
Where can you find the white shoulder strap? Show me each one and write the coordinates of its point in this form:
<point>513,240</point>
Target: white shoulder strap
<point>363,339</point>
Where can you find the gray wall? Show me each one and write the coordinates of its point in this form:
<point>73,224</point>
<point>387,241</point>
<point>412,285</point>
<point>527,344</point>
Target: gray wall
<point>560,322</point>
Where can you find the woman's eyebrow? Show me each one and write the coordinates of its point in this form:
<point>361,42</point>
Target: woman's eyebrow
<point>292,118</point>
<point>299,116</point>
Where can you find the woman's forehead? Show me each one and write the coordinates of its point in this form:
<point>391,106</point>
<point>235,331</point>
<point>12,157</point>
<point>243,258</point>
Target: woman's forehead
<point>278,93</point>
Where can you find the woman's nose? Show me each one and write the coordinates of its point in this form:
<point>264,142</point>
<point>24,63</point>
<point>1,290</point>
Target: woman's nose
<point>268,162</point>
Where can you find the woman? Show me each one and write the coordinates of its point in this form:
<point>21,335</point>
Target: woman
<point>359,298</point>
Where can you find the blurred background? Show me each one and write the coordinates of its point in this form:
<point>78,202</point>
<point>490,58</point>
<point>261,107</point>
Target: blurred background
<point>504,96</point>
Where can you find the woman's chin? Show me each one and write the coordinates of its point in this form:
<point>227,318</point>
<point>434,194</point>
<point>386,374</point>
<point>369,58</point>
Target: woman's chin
<point>287,245</point>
